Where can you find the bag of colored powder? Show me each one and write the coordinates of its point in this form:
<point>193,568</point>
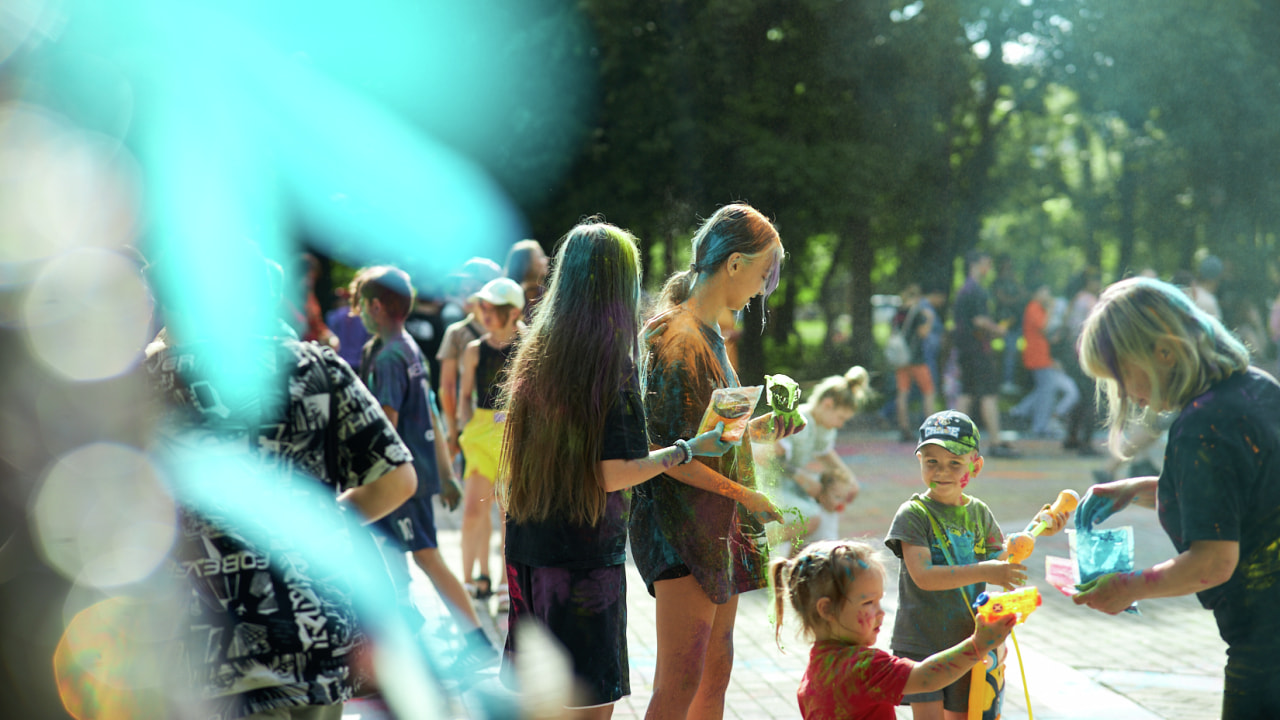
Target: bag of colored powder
<point>733,407</point>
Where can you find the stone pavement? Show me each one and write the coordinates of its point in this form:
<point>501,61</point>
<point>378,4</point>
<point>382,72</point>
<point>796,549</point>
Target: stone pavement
<point>1164,663</point>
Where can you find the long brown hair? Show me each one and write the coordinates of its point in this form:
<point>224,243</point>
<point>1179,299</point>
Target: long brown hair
<point>579,351</point>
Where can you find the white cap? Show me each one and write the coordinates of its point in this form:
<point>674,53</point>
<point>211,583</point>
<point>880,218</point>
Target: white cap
<point>503,291</point>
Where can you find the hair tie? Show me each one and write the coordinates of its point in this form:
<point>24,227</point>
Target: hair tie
<point>693,267</point>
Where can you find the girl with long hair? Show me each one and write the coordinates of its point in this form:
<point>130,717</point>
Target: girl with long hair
<point>696,531</point>
<point>574,439</point>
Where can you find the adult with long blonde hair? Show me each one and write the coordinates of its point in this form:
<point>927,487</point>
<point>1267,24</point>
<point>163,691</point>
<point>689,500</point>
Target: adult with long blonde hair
<point>696,530</point>
<point>1152,351</point>
<point>575,438</point>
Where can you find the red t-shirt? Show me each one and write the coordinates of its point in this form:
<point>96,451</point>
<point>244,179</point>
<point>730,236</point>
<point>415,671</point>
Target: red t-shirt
<point>851,682</point>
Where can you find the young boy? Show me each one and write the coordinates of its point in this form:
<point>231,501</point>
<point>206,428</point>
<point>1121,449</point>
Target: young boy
<point>397,376</point>
<point>950,547</point>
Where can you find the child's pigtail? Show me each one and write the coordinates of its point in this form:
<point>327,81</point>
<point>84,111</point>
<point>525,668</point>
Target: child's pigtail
<point>859,382</point>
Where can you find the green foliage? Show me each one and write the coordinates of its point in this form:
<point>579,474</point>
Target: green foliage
<point>888,139</point>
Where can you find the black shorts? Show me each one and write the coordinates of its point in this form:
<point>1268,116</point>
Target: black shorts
<point>413,524</point>
<point>586,611</point>
<point>979,374</point>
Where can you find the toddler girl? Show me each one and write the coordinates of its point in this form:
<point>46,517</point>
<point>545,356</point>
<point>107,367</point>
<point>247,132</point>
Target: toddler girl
<point>836,586</point>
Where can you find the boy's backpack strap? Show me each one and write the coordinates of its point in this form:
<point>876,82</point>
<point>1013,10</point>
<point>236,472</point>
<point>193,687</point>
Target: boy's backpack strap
<point>944,542</point>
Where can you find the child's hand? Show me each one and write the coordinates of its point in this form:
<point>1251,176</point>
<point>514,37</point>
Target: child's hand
<point>1008,575</point>
<point>989,634</point>
<point>450,492</point>
<point>1054,521</point>
<point>710,443</point>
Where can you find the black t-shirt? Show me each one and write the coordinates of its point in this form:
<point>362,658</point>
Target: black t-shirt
<point>971,302</point>
<point>556,543</point>
<point>1221,481</point>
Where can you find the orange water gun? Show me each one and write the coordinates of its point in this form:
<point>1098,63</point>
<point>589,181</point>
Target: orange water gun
<point>1019,545</point>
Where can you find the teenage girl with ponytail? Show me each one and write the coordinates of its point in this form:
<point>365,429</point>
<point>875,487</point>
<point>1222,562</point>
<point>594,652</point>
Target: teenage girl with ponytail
<point>696,530</point>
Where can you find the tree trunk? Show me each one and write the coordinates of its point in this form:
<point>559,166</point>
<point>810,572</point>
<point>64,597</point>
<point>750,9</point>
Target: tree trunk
<point>861,261</point>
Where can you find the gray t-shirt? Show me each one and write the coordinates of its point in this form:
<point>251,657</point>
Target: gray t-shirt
<point>932,620</point>
<point>456,337</point>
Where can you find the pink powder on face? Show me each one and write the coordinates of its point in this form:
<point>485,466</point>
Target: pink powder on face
<point>964,481</point>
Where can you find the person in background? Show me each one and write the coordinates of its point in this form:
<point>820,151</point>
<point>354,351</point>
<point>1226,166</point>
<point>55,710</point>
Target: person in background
<point>344,321</point>
<point>396,374</point>
<point>1081,421</point>
<point>484,364</point>
<point>1218,493</point>
<point>919,319</point>
<point>302,311</point>
<point>814,480</point>
<point>934,300</point>
<point>1010,300</point>
<point>979,370</point>
<point>1203,291</point>
<point>426,324</point>
<point>527,264</point>
<point>474,274</point>
<point>1054,393</point>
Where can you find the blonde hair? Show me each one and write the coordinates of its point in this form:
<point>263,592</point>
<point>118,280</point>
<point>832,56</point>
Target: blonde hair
<point>1125,325</point>
<point>851,390</point>
<point>822,570</point>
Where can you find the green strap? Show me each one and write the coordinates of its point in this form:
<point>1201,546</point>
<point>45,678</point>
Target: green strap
<point>944,542</point>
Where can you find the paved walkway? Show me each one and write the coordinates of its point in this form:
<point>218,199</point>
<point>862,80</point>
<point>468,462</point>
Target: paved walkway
<point>1165,663</point>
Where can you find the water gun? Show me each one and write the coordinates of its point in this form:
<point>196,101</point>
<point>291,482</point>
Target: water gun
<point>1021,602</point>
<point>1020,544</point>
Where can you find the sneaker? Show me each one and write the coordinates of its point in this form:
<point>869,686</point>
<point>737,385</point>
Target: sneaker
<point>473,658</point>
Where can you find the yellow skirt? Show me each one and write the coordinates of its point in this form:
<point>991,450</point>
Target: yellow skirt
<point>481,442</point>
